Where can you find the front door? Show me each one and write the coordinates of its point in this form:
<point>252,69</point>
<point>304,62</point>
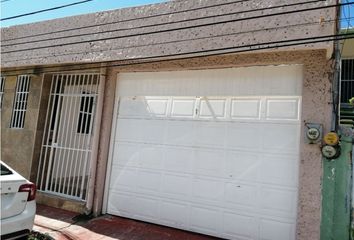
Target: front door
<point>68,136</point>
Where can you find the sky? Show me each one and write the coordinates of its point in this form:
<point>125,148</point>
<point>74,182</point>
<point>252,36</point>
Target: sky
<point>347,12</point>
<point>15,7</point>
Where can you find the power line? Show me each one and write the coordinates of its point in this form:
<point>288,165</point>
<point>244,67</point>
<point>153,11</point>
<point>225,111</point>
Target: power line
<point>45,10</point>
<point>348,22</point>
<point>5,1</point>
<point>185,40</point>
<point>330,38</point>
<point>178,28</point>
<point>191,55</point>
<point>210,50</point>
<point>160,24</point>
<point>127,20</point>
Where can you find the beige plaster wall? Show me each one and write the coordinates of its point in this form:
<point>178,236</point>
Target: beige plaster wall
<point>348,48</point>
<point>316,108</point>
<point>17,144</point>
<point>163,30</point>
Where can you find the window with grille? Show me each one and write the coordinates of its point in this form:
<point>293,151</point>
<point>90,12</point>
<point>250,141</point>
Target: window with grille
<point>347,80</point>
<point>20,101</point>
<point>347,92</point>
<point>85,113</point>
<point>2,84</point>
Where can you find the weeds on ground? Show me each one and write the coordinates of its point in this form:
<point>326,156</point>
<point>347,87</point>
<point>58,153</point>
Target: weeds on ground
<point>39,236</point>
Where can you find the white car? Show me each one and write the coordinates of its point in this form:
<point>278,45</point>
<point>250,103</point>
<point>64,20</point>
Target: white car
<point>18,205</point>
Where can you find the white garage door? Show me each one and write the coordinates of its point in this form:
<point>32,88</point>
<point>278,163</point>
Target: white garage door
<point>210,151</point>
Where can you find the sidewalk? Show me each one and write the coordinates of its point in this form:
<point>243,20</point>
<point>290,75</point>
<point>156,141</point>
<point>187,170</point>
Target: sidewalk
<point>60,225</point>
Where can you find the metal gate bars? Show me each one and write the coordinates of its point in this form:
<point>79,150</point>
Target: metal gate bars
<point>66,152</point>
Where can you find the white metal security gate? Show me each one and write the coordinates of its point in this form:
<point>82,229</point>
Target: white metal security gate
<point>66,153</point>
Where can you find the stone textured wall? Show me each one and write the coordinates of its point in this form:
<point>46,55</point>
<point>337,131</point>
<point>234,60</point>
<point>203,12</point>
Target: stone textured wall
<point>17,144</point>
<point>136,33</point>
<point>42,112</point>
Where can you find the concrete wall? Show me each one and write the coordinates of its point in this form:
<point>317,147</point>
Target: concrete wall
<point>133,37</point>
<point>42,111</point>
<point>316,108</point>
<point>17,144</point>
<point>348,48</point>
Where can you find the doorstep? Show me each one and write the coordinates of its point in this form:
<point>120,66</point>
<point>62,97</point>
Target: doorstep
<point>63,225</point>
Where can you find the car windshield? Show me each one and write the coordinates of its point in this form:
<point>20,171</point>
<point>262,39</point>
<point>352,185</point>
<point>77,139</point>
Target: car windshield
<point>4,170</point>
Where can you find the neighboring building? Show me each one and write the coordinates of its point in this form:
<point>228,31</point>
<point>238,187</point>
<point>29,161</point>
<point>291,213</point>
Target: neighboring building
<point>196,124</point>
<point>347,82</point>
<point>346,109</point>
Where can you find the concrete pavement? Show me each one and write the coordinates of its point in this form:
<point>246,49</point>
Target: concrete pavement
<point>64,225</point>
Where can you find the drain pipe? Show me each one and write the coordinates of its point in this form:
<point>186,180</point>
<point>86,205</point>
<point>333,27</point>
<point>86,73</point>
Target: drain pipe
<point>336,75</point>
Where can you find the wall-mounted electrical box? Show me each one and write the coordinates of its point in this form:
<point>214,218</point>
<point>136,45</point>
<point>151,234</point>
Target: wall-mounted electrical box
<point>331,148</point>
<point>313,133</point>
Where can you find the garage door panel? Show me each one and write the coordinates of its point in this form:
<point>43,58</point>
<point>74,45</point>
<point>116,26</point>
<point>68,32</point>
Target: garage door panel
<point>282,81</point>
<point>129,130</point>
<point>151,156</point>
<point>242,166</point>
<point>243,136</point>
<point>248,81</point>
<point>125,202</point>
<point>133,107</point>
<point>213,108</point>
<point>152,131</point>
<point>239,226</point>
<point>276,230</point>
<point>246,108</point>
<point>175,214</point>
<point>148,181</point>
<point>146,208</point>
<point>126,154</point>
<point>274,140</point>
<point>134,206</point>
<point>123,178</point>
<point>278,202</point>
<point>143,107</point>
<point>177,186</point>
<point>180,133</point>
<point>244,195</point>
<point>208,189</point>
<point>270,173</point>
<point>286,108</point>
<point>206,220</point>
<point>178,159</point>
<point>157,107</point>
<point>210,134</point>
<point>141,130</point>
<point>209,162</point>
<point>139,155</point>
<point>183,107</point>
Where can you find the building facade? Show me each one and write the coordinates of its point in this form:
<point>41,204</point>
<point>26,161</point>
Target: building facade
<point>190,114</point>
